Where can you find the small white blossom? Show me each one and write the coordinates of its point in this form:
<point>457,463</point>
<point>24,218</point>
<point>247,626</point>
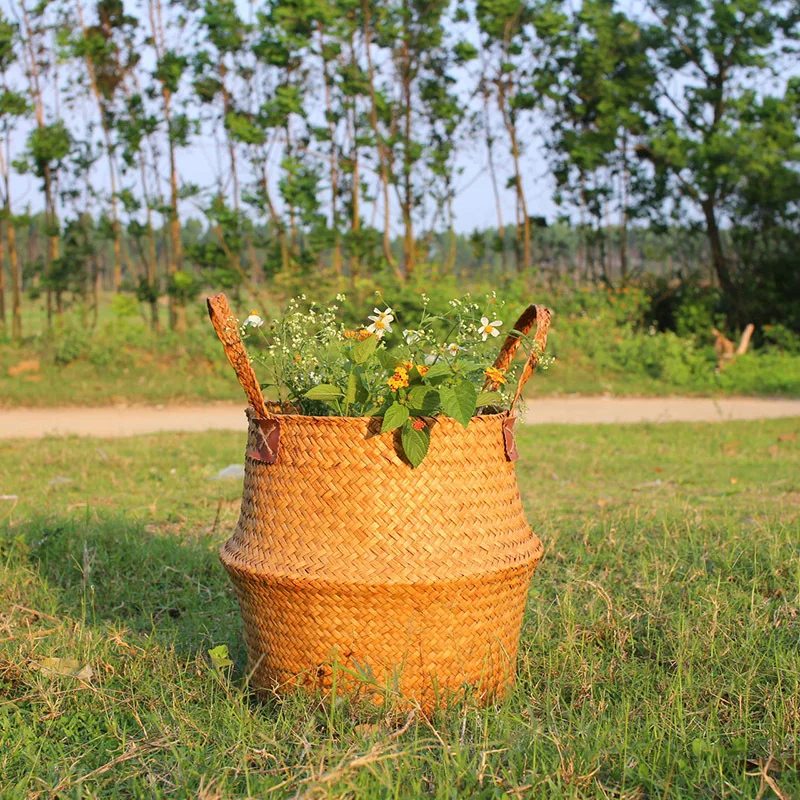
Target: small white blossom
<point>412,336</point>
<point>487,328</point>
<point>453,349</point>
<point>253,321</point>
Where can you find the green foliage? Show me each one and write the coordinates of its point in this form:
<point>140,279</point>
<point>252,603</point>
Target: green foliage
<point>183,286</point>
<point>124,306</point>
<point>405,377</point>
<point>243,129</point>
<point>170,69</point>
<point>769,373</point>
<point>48,146</point>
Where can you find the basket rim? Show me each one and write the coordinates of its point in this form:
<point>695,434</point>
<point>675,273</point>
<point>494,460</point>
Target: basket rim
<point>340,419</point>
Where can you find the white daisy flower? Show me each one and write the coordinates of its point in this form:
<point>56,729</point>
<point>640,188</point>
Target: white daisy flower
<point>253,321</point>
<point>412,336</point>
<point>487,328</point>
<point>381,322</point>
<point>453,349</point>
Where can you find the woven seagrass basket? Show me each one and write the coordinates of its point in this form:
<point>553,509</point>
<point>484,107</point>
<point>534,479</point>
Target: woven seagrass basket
<point>353,569</point>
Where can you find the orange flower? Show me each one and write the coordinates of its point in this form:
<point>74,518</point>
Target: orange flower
<point>422,369</point>
<point>360,335</point>
<point>407,365</point>
<point>418,425</point>
<point>399,380</point>
<point>494,375</point>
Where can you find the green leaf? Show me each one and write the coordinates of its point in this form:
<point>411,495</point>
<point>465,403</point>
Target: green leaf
<point>424,399</point>
<point>352,385</point>
<point>415,443</point>
<point>388,359</point>
<point>362,390</point>
<point>325,391</point>
<point>395,416</point>
<point>489,399</point>
<point>219,657</point>
<point>439,371</point>
<point>363,350</point>
<point>459,401</point>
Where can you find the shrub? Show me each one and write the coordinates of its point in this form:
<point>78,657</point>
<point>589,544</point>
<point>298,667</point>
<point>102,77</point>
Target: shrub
<point>124,306</point>
<point>770,373</point>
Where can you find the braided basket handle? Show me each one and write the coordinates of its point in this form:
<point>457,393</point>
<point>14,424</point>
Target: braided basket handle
<point>227,328</point>
<point>533,315</point>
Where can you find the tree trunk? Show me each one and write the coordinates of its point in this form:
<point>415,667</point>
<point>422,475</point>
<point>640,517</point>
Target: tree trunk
<point>16,279</point>
<point>226,108</point>
<point>450,260</point>
<point>334,160</point>
<point>109,152</point>
<point>718,260</point>
<point>175,261</point>
<point>493,175</point>
<point>409,245</point>
<point>356,219</point>
<point>277,222</point>
<point>96,274</point>
<point>623,228</point>
<point>152,273</point>
<point>515,154</point>
<point>382,154</point>
<point>2,280</point>
<point>355,223</point>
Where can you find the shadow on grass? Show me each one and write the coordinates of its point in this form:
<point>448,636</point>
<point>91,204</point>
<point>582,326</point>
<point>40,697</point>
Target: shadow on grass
<point>112,570</point>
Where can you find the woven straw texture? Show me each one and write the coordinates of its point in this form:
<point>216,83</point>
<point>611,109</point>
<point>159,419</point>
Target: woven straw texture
<point>412,581</point>
<point>344,553</point>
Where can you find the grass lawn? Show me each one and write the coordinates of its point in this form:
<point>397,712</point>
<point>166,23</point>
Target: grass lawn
<point>660,653</point>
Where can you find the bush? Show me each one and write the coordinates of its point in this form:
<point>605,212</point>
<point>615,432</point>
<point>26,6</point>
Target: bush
<point>780,338</point>
<point>124,306</point>
<point>71,344</point>
<point>763,373</point>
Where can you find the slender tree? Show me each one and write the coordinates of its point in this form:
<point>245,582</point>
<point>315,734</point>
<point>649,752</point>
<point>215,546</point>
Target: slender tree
<point>49,142</point>
<point>505,28</point>
<point>714,59</point>
<point>13,108</point>
<point>601,83</point>
<point>165,36</point>
<point>106,48</point>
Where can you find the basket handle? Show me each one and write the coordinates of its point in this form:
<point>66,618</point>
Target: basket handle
<point>227,328</point>
<point>533,315</point>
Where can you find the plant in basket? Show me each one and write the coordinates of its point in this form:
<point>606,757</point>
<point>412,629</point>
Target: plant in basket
<point>408,372</point>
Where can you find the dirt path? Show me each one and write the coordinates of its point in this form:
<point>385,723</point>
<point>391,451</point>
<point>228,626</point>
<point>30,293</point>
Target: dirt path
<point>129,421</point>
